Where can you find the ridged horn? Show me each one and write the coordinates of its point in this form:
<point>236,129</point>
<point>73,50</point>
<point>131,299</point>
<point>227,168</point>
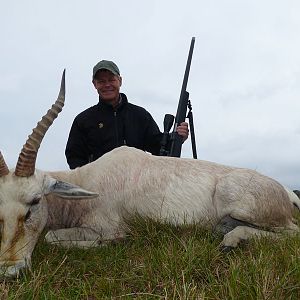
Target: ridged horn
<point>26,162</point>
<point>3,167</point>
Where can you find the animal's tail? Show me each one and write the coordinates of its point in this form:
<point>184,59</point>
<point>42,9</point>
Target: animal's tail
<point>294,197</point>
<point>297,192</point>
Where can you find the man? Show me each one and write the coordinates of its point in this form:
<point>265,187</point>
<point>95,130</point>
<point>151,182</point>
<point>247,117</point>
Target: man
<point>112,122</point>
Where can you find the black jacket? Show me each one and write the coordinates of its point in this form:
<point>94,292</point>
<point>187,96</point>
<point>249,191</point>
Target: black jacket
<point>101,128</point>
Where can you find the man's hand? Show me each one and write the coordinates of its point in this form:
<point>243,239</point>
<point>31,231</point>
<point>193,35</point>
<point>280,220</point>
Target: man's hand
<point>183,130</point>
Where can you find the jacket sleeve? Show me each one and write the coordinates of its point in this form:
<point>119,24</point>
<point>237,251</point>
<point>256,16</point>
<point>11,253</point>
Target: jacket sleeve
<point>76,152</point>
<point>153,136</point>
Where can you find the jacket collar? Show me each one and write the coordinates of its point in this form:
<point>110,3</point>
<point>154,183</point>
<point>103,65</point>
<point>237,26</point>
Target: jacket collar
<point>123,101</point>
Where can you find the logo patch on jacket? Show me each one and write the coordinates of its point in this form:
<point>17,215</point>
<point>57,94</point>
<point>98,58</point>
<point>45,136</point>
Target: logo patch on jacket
<point>100,125</point>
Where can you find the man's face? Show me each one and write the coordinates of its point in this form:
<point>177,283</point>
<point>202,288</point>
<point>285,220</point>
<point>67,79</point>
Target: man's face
<point>108,86</point>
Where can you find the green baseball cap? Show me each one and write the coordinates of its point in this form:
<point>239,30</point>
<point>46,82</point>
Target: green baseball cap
<point>107,65</point>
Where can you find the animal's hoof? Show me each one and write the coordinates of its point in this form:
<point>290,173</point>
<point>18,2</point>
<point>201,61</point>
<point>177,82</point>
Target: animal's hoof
<point>51,238</point>
<point>226,249</point>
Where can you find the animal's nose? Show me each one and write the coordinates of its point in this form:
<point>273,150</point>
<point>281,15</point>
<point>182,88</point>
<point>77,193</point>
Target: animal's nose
<point>12,269</point>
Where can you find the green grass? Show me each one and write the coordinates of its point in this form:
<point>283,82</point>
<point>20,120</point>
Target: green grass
<point>163,262</point>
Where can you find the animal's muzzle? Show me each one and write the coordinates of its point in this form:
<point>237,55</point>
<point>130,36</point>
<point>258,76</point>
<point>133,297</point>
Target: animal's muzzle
<point>13,269</point>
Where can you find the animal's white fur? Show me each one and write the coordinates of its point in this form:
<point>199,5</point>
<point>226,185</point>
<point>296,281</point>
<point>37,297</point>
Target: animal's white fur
<point>130,181</point>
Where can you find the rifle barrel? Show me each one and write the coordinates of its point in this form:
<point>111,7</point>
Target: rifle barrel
<point>182,106</point>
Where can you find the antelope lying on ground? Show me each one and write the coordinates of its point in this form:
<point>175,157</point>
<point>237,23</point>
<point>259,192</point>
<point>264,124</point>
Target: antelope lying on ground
<point>98,196</point>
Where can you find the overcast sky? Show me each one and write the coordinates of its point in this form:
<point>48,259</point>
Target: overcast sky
<point>244,81</point>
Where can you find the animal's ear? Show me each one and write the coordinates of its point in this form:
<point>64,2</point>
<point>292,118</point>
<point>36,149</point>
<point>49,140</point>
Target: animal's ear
<point>68,190</point>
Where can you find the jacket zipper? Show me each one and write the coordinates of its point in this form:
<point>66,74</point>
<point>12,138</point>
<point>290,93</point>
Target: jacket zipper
<point>117,132</point>
<point>116,129</point>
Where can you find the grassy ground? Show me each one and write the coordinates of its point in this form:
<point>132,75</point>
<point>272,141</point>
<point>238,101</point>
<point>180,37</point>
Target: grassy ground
<point>163,262</point>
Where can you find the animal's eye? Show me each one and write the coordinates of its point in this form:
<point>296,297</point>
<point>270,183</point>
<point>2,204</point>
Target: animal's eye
<point>35,201</point>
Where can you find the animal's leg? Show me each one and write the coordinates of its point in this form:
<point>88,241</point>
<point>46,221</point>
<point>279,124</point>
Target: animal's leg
<point>73,237</point>
<point>79,237</point>
<point>227,224</point>
<point>242,233</point>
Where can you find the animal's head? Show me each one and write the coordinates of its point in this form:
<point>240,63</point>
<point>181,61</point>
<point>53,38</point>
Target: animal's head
<point>23,207</point>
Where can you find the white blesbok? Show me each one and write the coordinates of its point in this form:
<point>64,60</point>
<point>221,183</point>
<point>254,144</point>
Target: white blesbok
<point>87,206</point>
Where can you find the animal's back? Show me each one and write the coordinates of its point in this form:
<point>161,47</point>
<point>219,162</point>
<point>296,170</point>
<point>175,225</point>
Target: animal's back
<point>167,188</point>
<point>182,190</point>
<point>189,189</point>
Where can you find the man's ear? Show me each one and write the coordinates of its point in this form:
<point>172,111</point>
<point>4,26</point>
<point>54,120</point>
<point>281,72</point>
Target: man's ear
<point>120,78</point>
<point>93,81</point>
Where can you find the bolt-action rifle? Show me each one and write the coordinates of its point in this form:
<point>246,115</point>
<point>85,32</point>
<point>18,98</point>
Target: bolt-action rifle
<point>171,143</point>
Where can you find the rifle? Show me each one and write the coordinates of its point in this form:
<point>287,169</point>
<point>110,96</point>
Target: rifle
<point>174,140</point>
